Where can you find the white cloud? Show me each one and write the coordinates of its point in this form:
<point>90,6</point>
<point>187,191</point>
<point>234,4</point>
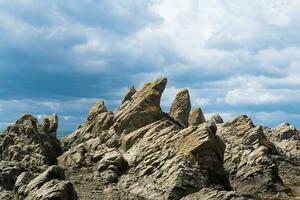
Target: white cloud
<point>1,107</point>
<point>66,118</point>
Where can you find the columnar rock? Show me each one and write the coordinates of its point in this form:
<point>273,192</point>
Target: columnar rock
<point>129,94</point>
<point>181,107</point>
<point>196,117</point>
<point>216,118</point>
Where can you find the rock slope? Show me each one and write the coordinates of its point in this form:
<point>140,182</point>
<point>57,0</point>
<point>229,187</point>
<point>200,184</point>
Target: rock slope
<point>140,152</point>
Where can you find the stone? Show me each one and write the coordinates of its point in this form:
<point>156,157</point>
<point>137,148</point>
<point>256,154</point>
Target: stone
<point>54,189</point>
<point>217,119</point>
<point>181,107</point>
<point>129,94</point>
<point>53,172</point>
<point>113,158</point>
<point>249,159</point>
<point>31,143</point>
<point>196,117</point>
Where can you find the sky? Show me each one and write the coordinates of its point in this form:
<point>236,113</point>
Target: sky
<point>235,56</point>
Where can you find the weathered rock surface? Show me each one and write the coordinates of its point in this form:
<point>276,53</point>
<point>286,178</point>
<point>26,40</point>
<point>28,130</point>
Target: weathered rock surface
<point>30,143</point>
<point>196,117</point>
<point>129,94</point>
<point>216,118</point>
<point>252,160</point>
<point>140,152</point>
<point>181,106</point>
<point>26,149</point>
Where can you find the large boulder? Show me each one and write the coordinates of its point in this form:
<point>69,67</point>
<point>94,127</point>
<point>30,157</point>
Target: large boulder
<point>181,106</point>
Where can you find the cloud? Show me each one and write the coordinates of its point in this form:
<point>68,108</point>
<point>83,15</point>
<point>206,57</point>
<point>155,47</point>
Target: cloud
<point>233,56</point>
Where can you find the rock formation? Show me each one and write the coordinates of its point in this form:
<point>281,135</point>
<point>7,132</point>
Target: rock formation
<point>28,148</point>
<point>181,106</point>
<point>216,118</point>
<point>196,117</point>
<point>140,152</point>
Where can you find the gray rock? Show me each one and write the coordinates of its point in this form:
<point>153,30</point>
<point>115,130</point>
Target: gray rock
<point>181,107</point>
<point>54,189</point>
<point>53,172</point>
<point>216,118</point>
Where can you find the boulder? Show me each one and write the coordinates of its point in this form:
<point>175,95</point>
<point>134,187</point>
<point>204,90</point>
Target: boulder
<point>181,107</point>
<point>196,117</point>
<point>53,172</point>
<point>54,189</point>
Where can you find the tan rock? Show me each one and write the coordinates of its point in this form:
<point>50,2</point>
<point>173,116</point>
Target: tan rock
<point>196,117</point>
<point>181,107</point>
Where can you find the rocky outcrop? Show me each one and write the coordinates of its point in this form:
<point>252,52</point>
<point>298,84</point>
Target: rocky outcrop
<point>48,185</point>
<point>181,107</point>
<point>138,152</point>
<point>26,149</point>
<point>216,118</point>
<point>30,143</point>
<point>251,160</point>
<point>129,94</point>
<point>196,117</point>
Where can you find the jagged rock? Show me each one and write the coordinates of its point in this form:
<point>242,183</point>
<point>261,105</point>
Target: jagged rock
<point>54,189</point>
<point>129,94</point>
<point>214,194</point>
<point>181,107</point>
<point>143,109</point>
<point>21,184</point>
<point>53,172</point>
<point>217,119</point>
<point>97,109</point>
<point>113,158</point>
<point>48,185</point>
<point>175,163</point>
<point>196,117</point>
<point>249,159</point>
<point>8,176</point>
<point>27,142</point>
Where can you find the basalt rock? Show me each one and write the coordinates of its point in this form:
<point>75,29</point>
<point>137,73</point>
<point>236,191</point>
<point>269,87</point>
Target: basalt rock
<point>181,107</point>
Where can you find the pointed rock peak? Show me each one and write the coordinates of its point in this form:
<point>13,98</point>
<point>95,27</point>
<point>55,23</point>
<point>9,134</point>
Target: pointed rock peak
<point>196,117</point>
<point>181,107</point>
<point>160,84</point>
<point>97,109</point>
<point>129,94</point>
<point>216,118</point>
<point>53,123</point>
<point>244,120</point>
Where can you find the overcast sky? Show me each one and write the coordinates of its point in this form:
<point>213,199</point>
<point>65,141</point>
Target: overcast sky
<point>235,56</point>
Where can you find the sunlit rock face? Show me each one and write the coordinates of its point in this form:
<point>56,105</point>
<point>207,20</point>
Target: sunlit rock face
<point>140,152</point>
